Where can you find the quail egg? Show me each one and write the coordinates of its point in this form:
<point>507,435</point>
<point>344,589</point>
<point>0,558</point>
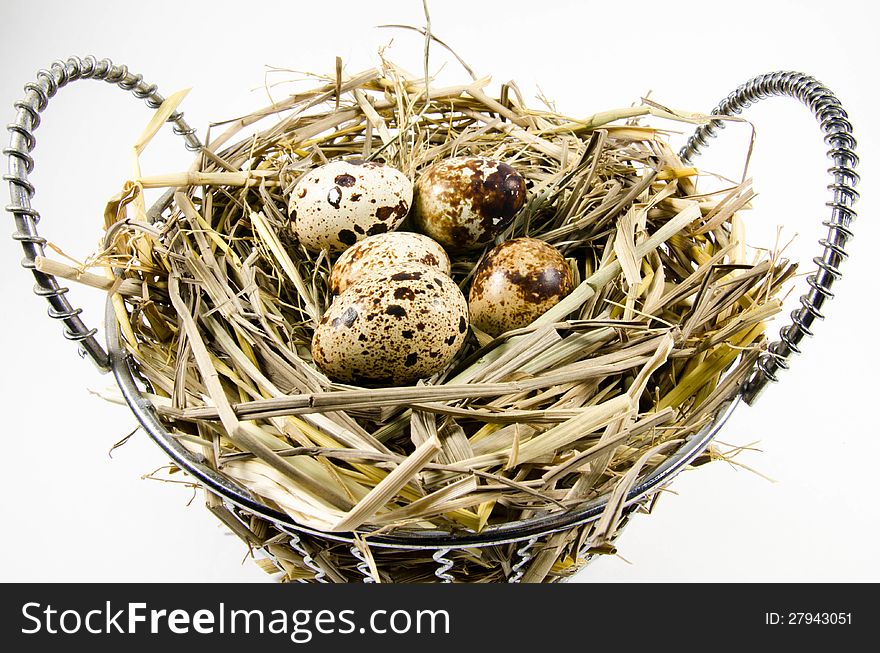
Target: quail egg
<point>465,202</point>
<point>392,328</point>
<point>381,251</point>
<point>517,282</point>
<point>339,203</point>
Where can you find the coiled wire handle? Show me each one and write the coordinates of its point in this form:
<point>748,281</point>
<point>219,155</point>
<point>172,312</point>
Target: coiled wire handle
<point>837,128</point>
<point>21,191</point>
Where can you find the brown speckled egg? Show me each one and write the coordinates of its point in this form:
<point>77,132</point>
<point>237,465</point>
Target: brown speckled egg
<point>376,253</point>
<point>339,203</point>
<point>465,202</point>
<point>517,282</point>
<point>392,328</point>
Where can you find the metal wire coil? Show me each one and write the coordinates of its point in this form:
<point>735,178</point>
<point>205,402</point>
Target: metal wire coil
<point>22,142</point>
<point>835,124</point>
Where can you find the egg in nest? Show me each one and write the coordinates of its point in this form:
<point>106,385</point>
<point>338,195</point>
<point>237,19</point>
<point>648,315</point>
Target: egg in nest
<point>383,251</point>
<point>392,328</point>
<point>517,282</point>
<point>341,202</point>
<point>464,202</point>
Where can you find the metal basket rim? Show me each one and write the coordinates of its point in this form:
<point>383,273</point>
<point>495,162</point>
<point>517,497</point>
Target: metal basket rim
<point>516,531</point>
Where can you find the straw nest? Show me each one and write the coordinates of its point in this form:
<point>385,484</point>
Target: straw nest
<point>217,303</point>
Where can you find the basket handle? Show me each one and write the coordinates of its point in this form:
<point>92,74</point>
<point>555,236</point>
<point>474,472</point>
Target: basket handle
<point>21,163</point>
<point>834,122</point>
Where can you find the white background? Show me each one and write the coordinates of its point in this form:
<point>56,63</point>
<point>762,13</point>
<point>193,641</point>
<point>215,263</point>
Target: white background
<point>71,513</point>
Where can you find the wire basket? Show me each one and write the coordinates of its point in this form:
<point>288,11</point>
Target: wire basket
<point>544,548</point>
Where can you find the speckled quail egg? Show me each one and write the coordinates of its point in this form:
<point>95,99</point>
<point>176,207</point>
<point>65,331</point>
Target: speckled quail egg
<point>392,328</point>
<point>517,282</point>
<point>376,253</point>
<point>339,203</point>
<point>465,202</point>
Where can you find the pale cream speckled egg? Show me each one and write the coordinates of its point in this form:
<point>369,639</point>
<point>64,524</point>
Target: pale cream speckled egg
<point>464,202</point>
<point>517,282</point>
<point>376,253</point>
<point>392,328</point>
<point>339,203</point>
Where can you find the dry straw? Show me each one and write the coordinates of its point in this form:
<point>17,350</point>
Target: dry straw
<point>216,303</point>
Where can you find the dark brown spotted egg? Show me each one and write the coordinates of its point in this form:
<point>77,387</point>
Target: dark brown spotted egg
<point>517,282</point>
<point>465,202</point>
<point>392,328</point>
<point>382,251</point>
<point>339,203</point>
